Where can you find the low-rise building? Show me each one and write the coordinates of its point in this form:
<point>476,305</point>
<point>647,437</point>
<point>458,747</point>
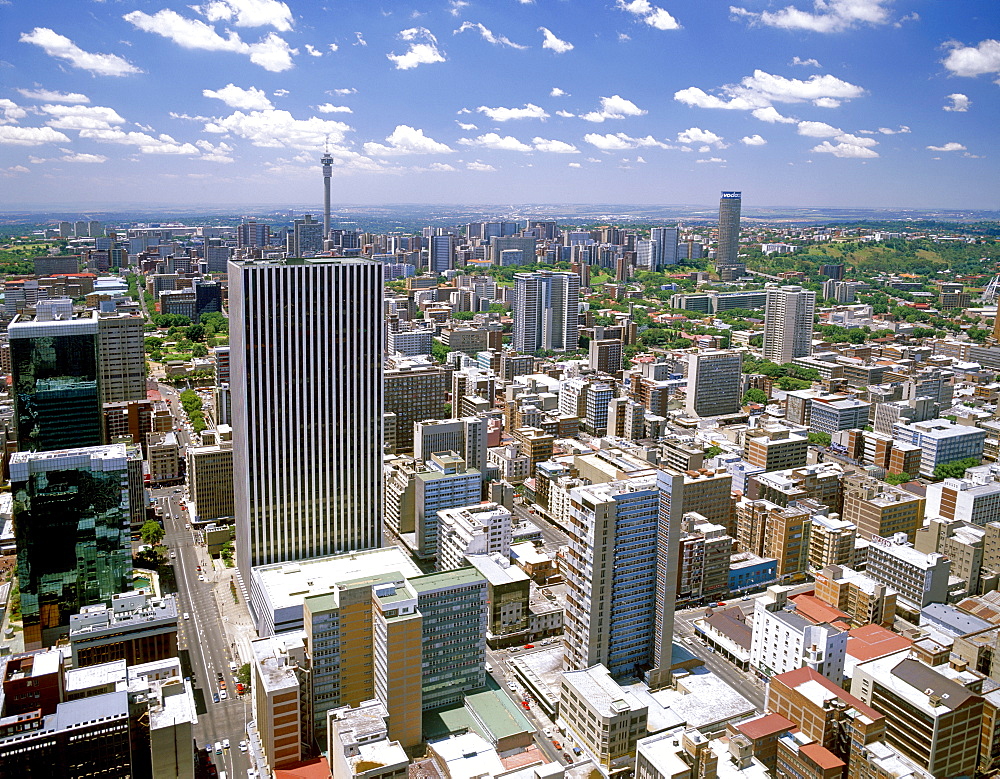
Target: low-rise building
<point>864,600</point>
<point>603,717</point>
<point>918,578</point>
<point>136,628</point>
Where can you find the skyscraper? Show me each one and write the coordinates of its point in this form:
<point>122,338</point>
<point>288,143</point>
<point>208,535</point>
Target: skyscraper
<point>728,249</point>
<point>714,383</point>
<point>665,239</point>
<point>306,377</point>
<point>546,312</point>
<point>327,162</point>
<point>305,238</point>
<point>441,253</point>
<point>788,323</point>
<point>121,357</point>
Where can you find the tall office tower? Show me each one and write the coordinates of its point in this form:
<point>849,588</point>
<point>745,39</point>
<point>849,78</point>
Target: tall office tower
<point>788,323</point>
<point>728,249</point>
<point>327,162</point>
<point>611,576</point>
<point>54,361</point>
<point>305,238</point>
<point>74,544</point>
<point>714,383</point>
<point>546,312</point>
<point>306,363</point>
<point>414,393</point>
<point>645,255</point>
<point>467,436</point>
<point>121,357</point>
<point>441,253</point>
<point>605,355</point>
<point>252,234</point>
<point>666,239</point>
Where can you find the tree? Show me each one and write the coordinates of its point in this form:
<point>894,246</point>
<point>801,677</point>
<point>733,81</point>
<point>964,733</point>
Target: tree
<point>955,469</point>
<point>243,675</point>
<point>713,451</point>
<point>897,478</point>
<point>199,350</point>
<point>194,332</point>
<point>151,532</point>
<point>754,395</point>
<point>820,439</point>
<point>439,351</point>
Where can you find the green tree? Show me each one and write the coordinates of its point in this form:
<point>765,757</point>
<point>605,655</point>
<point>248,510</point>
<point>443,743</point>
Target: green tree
<point>713,451</point>
<point>243,675</point>
<point>897,478</point>
<point>151,532</point>
<point>820,439</point>
<point>955,469</point>
<point>439,351</point>
<point>199,350</point>
<point>194,332</point>
<point>754,395</point>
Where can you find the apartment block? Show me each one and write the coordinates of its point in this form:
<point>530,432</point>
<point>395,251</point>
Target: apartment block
<point>210,481</point>
<point>163,453</point>
<point>776,448</point>
<point>482,529</point>
<point>975,500</point>
<point>447,483</point>
<point>714,386</point>
<point>607,719</point>
<point>856,594</point>
<point>820,482</point>
<point>880,510</point>
<point>277,680</point>
<point>831,542</point>
<point>767,529</point>
<point>918,578</point>
<point>414,393</point>
<point>941,441</point>
<point>706,550</point>
<point>961,542</point>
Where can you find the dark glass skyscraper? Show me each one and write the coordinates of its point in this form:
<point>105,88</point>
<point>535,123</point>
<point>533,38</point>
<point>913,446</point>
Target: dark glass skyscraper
<point>57,402</point>
<point>729,229</point>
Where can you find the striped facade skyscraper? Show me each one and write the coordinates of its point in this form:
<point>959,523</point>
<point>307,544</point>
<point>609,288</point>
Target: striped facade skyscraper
<point>306,380</point>
<point>546,312</point>
<point>788,323</point>
<point>728,250</point>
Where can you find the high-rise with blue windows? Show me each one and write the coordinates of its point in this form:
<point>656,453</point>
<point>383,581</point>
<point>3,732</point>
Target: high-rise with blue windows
<point>728,251</point>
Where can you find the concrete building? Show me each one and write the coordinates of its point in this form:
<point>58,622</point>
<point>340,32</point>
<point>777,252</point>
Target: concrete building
<point>964,544</point>
<point>706,550</point>
<point>788,323</point>
<point>121,355</point>
<point>776,448</point>
<point>820,482</point>
<point>136,628</point>
<point>483,529</point>
<point>975,500</point>
<point>288,362</point>
<point>781,533</point>
<point>941,441</point>
<point>728,246</point>
<point>881,510</point>
<point>605,718</point>
<point>466,435</point>
<point>410,343</point>
<point>414,392</point>
<point>360,746</point>
<point>839,415</point>
<point>858,595</point>
<point>918,578</point>
<point>447,483</point>
<point>163,452</point>
<point>210,481</point>
<point>714,385</point>
<point>605,355</point>
<point>278,677</point>
<point>546,312</point>
<point>831,542</point>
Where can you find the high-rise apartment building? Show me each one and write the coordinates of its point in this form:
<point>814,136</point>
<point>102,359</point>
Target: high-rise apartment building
<point>306,351</point>
<point>546,312</point>
<point>253,234</point>
<point>788,323</point>
<point>305,238</point>
<point>714,383</point>
<point>74,543</point>
<point>121,357</point>
<point>441,253</point>
<point>414,392</point>
<point>54,360</point>
<point>728,249</point>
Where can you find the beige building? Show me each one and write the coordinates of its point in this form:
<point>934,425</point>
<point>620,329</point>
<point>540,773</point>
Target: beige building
<point>879,509</point>
<point>163,454</point>
<point>962,543</point>
<point>360,747</point>
<point>776,448</point>
<point>767,529</point>
<point>831,542</point>
<point>210,481</point>
<point>277,680</point>
<point>605,718</point>
<point>857,595</point>
<point>121,357</point>
<point>413,393</point>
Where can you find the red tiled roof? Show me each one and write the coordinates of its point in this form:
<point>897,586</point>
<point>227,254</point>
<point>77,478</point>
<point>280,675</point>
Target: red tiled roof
<point>800,676</point>
<point>316,768</point>
<point>768,725</point>
<point>871,641</point>
<point>815,610</point>
<point>821,756</point>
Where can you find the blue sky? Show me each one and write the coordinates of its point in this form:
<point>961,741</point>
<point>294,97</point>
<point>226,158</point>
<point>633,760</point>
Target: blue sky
<point>795,102</point>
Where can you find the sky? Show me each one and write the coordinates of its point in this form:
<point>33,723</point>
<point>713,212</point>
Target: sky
<point>808,103</point>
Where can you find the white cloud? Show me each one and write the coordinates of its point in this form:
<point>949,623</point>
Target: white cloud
<point>215,152</point>
<point>826,102</point>
<point>818,129</point>
<point>826,16</point>
<point>489,36</point>
<point>480,166</point>
<point>13,170</point>
<point>11,111</point>
<point>248,13</point>
<point>972,61</point>
<point>771,115</point>
<point>651,14</point>
<point>902,130</point>
<point>51,96</point>
<point>762,90</point>
<point>147,144</point>
<point>695,135</point>
<point>619,141</point>
<point>614,107</point>
<point>81,117</point>
<point>752,140</point>
<point>959,102</point>
<point>312,50</point>
<point>854,140</point>
<point>575,165</point>
<point>251,99</point>
<point>423,49</point>
<point>808,63</point>
<point>565,114</point>
<point>557,92</point>
<point>61,47</point>
<point>330,108</point>
<point>457,6</point>
<point>280,92</point>
<point>30,136</point>
<point>270,52</point>
<point>501,114</point>
<point>555,147</point>
<point>83,157</point>
<point>712,160</point>
<point>552,42</point>
<point>406,140</point>
<point>950,146</point>
<point>441,166</point>
<point>466,126</point>
<point>845,150</point>
<point>342,91</point>
<point>333,47</point>
<point>277,129</point>
<point>359,40</point>
<point>496,141</point>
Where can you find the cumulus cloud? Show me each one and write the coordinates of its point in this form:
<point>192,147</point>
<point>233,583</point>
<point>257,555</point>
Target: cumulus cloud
<point>441,166</point>
<point>557,92</point>
<point>771,115</point>
<point>695,135</point>
<point>406,140</point>
<point>826,102</point>
<point>752,140</point>
<point>959,102</point>
<point>575,165</point>
<point>552,42</point>
<point>456,7</point>
<point>359,40</point>
<point>614,107</point>
<point>423,49</point>
<point>312,50</point>
<point>147,144</point>
<point>554,147</point>
<point>818,129</point>
<point>248,13</point>
<point>82,157</point>
<point>330,108</point>
<point>271,52</point>
<point>950,146</point>
<point>10,111</point>
<point>763,89</point>
<point>219,152</point>
<point>501,114</point>
<point>489,36</point>
<point>496,141</point>
<point>845,150</point>
<point>342,91</point>
<point>651,14</point>
<point>30,136</point>
<point>826,16</point>
<point>278,129</point>
<point>280,92</point>
<point>808,63</point>
<point>901,130</point>
<point>479,166</point>
<point>565,114</point>
<point>251,99</point>
<point>81,117</point>
<point>972,61</point>
<point>712,160</point>
<point>619,141</point>
<point>61,47</point>
<point>466,126</point>
<point>51,96</point>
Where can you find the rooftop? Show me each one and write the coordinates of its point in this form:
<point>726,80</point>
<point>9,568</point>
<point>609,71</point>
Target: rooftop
<point>601,692</point>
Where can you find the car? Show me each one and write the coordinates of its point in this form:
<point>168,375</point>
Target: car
<point>489,668</point>
<point>251,774</point>
<point>239,688</point>
<point>222,684</point>
<point>511,686</point>
<point>556,744</point>
<point>223,695</point>
<point>529,646</point>
<point>243,746</point>
<point>198,568</point>
<point>187,526</point>
<point>208,747</point>
<point>173,555</point>
<point>547,732</point>
<point>225,743</point>
<point>526,705</point>
<point>201,577</point>
<point>218,747</point>
<point>577,751</point>
<point>233,667</point>
<point>567,758</point>
<point>215,697</point>
<point>186,615</point>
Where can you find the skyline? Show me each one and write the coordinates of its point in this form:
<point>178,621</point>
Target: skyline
<point>615,102</point>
